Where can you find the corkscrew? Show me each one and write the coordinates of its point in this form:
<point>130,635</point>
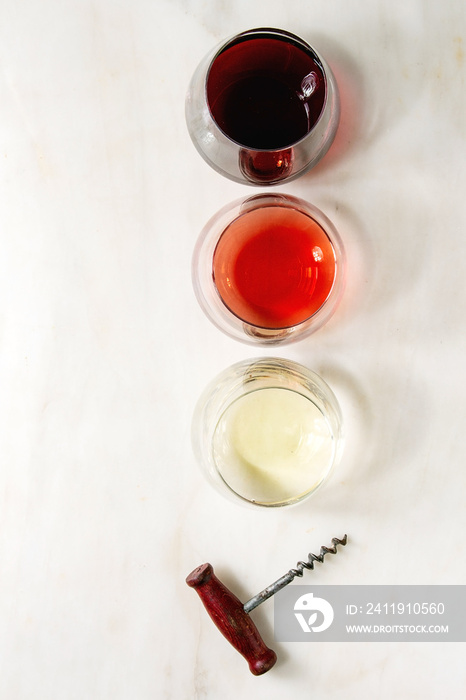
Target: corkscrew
<point>232,617</point>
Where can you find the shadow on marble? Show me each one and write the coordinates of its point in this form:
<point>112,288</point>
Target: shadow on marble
<point>387,257</point>
<point>381,441</point>
<point>353,126</point>
<point>366,111</point>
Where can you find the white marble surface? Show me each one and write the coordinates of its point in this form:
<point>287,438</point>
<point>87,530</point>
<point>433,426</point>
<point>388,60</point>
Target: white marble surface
<point>103,350</point>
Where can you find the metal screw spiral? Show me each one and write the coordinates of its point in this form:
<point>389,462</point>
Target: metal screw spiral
<point>290,575</point>
<point>301,565</point>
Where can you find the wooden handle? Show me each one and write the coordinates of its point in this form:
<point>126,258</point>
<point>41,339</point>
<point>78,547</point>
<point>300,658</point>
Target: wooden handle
<point>226,610</point>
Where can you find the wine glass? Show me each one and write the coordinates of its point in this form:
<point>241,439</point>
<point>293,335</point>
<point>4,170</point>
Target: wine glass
<point>263,107</point>
<point>267,432</point>
<point>268,269</point>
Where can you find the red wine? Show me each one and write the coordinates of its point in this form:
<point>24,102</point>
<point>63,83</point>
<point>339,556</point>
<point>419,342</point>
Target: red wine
<point>274,267</point>
<point>266,92</point>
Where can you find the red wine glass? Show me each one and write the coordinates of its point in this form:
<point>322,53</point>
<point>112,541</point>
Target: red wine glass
<point>263,107</point>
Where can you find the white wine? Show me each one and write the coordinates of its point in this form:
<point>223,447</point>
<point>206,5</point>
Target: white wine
<point>273,445</point>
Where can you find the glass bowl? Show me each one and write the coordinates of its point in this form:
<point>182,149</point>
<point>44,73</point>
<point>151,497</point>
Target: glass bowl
<point>268,269</point>
<point>267,432</point>
<point>262,107</point>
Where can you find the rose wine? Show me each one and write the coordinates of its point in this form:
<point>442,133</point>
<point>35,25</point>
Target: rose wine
<point>266,92</point>
<point>273,445</point>
<point>274,267</point>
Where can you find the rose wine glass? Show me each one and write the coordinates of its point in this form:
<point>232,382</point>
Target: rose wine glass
<point>268,269</point>
<point>263,108</point>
